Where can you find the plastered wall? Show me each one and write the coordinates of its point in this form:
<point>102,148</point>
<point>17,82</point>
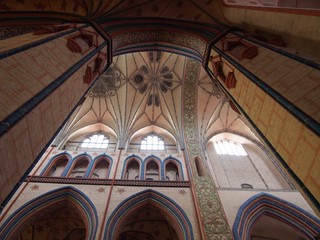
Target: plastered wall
<point>255,169</point>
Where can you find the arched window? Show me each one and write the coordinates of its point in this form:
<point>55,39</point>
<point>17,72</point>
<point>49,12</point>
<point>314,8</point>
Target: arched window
<point>97,140</point>
<point>132,170</point>
<point>79,169</point>
<point>152,171</point>
<point>247,166</point>
<point>57,168</point>
<point>101,169</point>
<point>226,147</point>
<point>152,142</point>
<point>172,172</point>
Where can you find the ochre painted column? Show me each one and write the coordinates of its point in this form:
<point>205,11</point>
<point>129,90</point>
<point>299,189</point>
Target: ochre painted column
<point>41,82</point>
<point>213,219</point>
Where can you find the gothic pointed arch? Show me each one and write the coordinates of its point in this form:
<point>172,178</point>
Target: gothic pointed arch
<point>132,168</point>
<point>79,166</point>
<point>50,201</point>
<point>264,204</point>
<point>100,167</point>
<point>243,153</point>
<point>171,165</point>
<point>57,165</point>
<point>176,215</point>
<point>152,168</point>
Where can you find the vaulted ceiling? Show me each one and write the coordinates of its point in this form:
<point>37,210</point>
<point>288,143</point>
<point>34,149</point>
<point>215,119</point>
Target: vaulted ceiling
<point>144,90</point>
<point>209,11</point>
<point>200,10</point>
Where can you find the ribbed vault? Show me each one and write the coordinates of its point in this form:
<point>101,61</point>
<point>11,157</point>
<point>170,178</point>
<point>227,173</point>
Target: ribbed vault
<point>144,89</point>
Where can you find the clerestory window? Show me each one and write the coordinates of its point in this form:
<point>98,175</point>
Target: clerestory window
<point>226,147</point>
<point>97,140</point>
<point>152,142</point>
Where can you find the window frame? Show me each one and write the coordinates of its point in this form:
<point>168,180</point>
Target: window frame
<point>93,134</point>
<point>159,139</point>
<point>230,148</point>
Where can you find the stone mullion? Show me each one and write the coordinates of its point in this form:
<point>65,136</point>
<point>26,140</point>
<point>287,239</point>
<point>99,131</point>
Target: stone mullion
<point>212,215</point>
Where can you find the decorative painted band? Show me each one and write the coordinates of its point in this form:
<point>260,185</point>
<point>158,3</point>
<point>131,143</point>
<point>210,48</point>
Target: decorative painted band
<point>117,182</point>
<point>75,67</point>
<point>39,42</point>
<point>280,51</point>
<point>206,30</point>
<point>274,151</point>
<point>17,115</point>
<point>159,47</point>
<point>312,124</point>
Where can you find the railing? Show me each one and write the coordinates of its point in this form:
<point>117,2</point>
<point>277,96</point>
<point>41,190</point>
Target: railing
<point>168,148</point>
<point>76,146</point>
<point>133,147</point>
<point>117,182</point>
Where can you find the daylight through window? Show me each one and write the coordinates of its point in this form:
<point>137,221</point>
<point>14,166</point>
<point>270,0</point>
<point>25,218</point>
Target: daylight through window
<point>95,141</point>
<point>226,147</point>
<point>152,142</point>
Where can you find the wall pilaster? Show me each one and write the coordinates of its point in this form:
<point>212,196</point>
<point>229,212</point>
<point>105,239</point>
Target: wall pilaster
<point>213,220</point>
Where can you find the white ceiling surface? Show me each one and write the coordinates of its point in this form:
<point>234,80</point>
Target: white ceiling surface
<point>144,90</point>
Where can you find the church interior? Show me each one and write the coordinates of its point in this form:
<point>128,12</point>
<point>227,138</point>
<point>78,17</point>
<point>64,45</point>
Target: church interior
<point>160,119</point>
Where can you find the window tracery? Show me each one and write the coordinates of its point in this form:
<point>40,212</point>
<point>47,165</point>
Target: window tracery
<point>152,142</point>
<point>97,140</point>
